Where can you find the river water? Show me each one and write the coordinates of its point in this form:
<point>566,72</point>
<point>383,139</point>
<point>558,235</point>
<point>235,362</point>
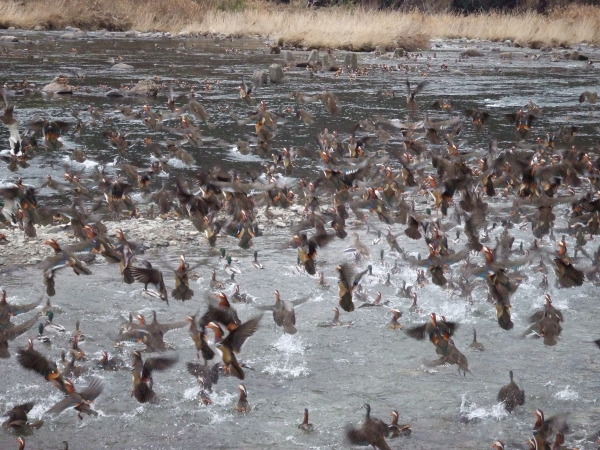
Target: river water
<point>331,371</point>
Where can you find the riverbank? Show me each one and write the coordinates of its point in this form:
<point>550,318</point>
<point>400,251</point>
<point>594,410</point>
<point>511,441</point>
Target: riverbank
<point>296,25</point>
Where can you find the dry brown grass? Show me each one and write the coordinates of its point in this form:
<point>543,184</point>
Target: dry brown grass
<point>358,28</point>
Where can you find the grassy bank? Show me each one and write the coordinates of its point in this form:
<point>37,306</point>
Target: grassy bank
<point>357,28</point>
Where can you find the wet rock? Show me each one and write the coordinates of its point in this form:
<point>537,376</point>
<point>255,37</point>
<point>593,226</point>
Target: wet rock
<point>70,35</point>
<point>59,85</point>
<point>38,28</point>
<point>115,93</point>
<point>260,77</point>
<point>280,224</point>
<point>380,50</point>
<point>122,67</point>
<point>471,53</point>
<point>2,261</point>
<point>328,63</point>
<point>9,39</point>
<point>313,57</point>
<point>351,61</point>
<point>275,49</point>
<point>146,88</point>
<point>288,58</point>
<point>276,74</point>
<point>399,52</point>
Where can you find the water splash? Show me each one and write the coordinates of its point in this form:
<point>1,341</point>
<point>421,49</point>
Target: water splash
<point>567,394</point>
<point>471,412</point>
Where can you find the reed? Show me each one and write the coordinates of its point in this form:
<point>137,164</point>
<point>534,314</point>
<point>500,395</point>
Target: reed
<point>355,28</point>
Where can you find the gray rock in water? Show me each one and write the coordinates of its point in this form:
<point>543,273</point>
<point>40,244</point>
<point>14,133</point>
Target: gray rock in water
<point>288,58</point>
<point>122,67</point>
<point>69,35</point>
<point>313,57</point>
<point>351,61</point>
<point>115,93</point>
<point>59,85</point>
<point>470,52</point>
<point>380,50</point>
<point>276,74</point>
<point>260,77</point>
<point>146,88</point>
<point>328,62</point>
<point>399,52</point>
<point>9,39</point>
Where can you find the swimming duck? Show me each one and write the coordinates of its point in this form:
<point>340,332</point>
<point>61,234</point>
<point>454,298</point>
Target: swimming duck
<point>231,269</point>
<point>79,400</point>
<point>77,333</point>
<point>511,395</point>
<point>107,363</point>
<point>476,345</point>
<point>239,297</point>
<point>305,425</point>
<point>395,429</point>
<point>18,420</point>
<point>142,375</point>
<point>51,326</point>
<point>372,432</point>
<point>242,405</point>
<point>545,428</point>
<point>394,324</point>
<point>255,262</point>
<point>41,337</point>
<point>76,352</point>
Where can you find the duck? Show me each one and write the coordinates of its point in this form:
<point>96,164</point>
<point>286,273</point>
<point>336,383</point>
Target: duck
<point>141,373</point>
<point>242,405</point>
<point>432,327</point>
<point>255,262</point>
<point>476,345</point>
<point>199,338</point>
<point>511,395</point>
<point>395,429</point>
<point>337,322</point>
<point>232,344</point>
<point>372,432</point>
<point>150,275</point>
<point>17,419</point>
<point>231,269</point>
<point>110,363</point>
<point>9,334</point>
<point>205,375</point>
<point>31,359</point>
<point>79,400</point>
<point>41,337</point>
<point>394,324</point>
<point>7,310</point>
<point>305,425</point>
<point>52,327</point>
<point>182,289</point>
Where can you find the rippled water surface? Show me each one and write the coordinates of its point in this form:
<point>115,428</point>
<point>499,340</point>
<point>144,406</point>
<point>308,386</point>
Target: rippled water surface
<point>331,371</point>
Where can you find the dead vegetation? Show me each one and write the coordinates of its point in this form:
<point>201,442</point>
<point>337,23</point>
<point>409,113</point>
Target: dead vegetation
<point>359,29</point>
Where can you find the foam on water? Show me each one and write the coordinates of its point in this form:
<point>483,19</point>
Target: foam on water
<point>567,394</point>
<point>290,344</point>
<point>472,412</point>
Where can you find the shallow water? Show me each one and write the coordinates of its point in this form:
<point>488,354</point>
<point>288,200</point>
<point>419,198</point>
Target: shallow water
<point>331,371</point>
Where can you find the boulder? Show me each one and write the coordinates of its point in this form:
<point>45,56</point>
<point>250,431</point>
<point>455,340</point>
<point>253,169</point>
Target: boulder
<point>59,85</point>
<point>276,74</point>
<point>144,88</point>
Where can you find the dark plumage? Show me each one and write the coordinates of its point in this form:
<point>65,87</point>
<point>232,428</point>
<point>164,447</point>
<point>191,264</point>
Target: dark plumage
<point>511,395</point>
<point>373,432</point>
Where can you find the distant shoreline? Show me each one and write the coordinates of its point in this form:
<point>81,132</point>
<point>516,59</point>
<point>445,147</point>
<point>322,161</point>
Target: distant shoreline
<point>296,25</point>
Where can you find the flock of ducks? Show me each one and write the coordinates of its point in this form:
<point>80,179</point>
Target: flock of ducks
<point>384,173</point>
